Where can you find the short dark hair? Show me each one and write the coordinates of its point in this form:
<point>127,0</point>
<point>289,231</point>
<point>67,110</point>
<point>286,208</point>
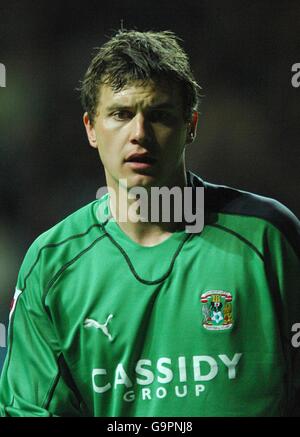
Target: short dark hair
<point>131,56</point>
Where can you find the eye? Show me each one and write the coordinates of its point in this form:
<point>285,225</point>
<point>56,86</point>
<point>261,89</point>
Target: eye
<point>164,117</point>
<point>122,114</point>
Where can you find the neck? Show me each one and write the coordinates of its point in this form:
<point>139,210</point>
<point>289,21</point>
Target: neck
<point>141,218</point>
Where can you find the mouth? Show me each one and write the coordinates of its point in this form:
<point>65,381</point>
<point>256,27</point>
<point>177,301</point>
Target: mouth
<point>140,160</point>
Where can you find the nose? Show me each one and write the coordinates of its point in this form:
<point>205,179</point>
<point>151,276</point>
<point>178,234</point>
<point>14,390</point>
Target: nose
<point>140,130</point>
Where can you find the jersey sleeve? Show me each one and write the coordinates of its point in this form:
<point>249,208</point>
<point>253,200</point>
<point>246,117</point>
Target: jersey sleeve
<point>34,379</point>
<point>283,269</point>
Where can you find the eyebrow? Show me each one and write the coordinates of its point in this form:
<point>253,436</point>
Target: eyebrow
<point>117,106</point>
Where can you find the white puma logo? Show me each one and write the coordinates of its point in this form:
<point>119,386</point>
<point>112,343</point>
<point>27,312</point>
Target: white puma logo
<point>90,323</point>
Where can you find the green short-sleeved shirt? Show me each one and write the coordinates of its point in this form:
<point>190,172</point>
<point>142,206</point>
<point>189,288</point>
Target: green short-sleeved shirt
<point>199,325</point>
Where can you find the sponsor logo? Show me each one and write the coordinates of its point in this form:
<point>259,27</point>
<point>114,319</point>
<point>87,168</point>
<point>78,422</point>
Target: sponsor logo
<point>179,377</point>
<point>216,310</point>
<point>91,323</point>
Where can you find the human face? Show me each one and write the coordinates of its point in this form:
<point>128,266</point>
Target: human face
<point>141,134</point>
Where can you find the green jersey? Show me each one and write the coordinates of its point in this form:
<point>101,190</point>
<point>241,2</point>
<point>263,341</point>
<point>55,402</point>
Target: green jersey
<point>198,325</point>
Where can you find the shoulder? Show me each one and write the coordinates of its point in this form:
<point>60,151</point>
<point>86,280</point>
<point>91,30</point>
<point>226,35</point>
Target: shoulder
<point>77,225</point>
<point>62,242</point>
<point>253,210</point>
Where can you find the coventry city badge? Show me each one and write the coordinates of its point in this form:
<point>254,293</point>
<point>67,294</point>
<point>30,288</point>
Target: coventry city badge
<point>217,310</point>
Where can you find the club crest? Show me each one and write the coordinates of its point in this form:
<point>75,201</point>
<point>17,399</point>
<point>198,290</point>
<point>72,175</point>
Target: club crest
<point>217,310</point>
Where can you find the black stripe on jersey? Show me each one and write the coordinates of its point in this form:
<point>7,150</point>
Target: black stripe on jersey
<point>132,269</point>
<point>227,200</point>
<point>72,237</point>
<point>51,391</point>
<point>240,237</point>
<point>64,373</point>
<point>65,266</point>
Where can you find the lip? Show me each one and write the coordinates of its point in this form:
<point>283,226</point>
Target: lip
<point>140,165</point>
<point>140,161</point>
<point>145,157</point>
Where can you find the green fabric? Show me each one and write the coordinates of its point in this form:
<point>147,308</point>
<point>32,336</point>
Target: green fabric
<point>157,357</point>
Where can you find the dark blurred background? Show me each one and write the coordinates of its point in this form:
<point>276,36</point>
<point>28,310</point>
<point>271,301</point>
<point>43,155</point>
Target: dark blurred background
<point>248,136</point>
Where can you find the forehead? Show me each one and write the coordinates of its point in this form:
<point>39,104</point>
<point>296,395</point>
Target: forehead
<point>142,94</point>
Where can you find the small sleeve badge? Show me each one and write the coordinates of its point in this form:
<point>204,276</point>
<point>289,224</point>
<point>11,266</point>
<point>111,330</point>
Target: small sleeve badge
<point>14,302</point>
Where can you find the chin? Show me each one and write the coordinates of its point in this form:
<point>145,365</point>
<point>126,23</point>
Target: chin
<point>141,180</point>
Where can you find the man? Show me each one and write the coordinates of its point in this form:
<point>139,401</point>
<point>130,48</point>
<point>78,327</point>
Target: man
<point>126,317</point>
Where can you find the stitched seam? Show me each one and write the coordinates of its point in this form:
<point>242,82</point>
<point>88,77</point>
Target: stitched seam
<point>65,266</point>
<point>51,245</point>
<point>50,393</point>
<point>240,237</point>
<point>132,269</point>
<point>265,220</point>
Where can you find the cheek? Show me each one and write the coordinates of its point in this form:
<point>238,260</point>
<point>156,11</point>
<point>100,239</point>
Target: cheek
<point>108,157</point>
<point>174,141</point>
<point>110,153</point>
<point>104,133</point>
<point>110,138</point>
<point>106,145</point>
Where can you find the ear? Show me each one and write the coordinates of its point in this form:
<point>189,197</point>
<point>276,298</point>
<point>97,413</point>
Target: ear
<point>90,130</point>
<point>192,128</point>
